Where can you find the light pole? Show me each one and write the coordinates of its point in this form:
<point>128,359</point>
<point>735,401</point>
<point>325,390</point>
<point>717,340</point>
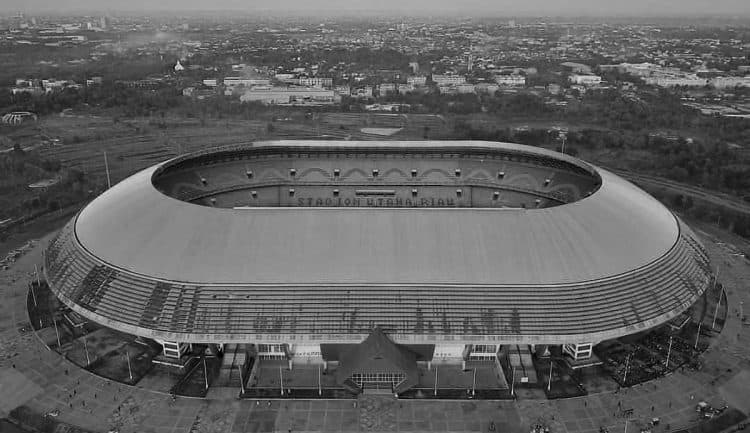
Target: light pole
<point>718,304</point>
<point>513,381</point>
<point>669,352</point>
<point>57,333</point>
<point>130,370</point>
<point>242,381</point>
<point>106,167</point>
<point>549,382</point>
<point>436,379</point>
<point>698,335</point>
<point>205,372</point>
<point>33,294</point>
<point>474,382</point>
<point>86,349</point>
<point>320,388</point>
<point>281,380</point>
<point>627,367</point>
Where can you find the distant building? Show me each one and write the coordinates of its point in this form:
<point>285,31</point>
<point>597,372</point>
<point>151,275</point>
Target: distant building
<point>148,83</point>
<point>386,88</point>
<point>25,82</point>
<point>511,80</point>
<point>585,80</point>
<point>284,77</point>
<point>315,82</point>
<point>362,92</point>
<point>199,94</point>
<point>94,81</point>
<point>52,85</point>
<point>389,74</point>
<point>686,80</point>
<point>342,90</point>
<point>290,96</point>
<point>29,90</point>
<point>212,82</point>
<point>730,82</point>
<point>405,88</point>
<point>247,82</point>
<point>18,117</point>
<point>416,80</point>
<point>456,89</point>
<point>465,88</point>
<point>446,80</point>
<point>486,88</point>
<point>578,68</point>
<point>554,89</point>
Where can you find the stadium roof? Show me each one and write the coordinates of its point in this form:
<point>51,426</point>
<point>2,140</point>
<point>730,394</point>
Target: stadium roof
<point>526,267</point>
<point>136,228</point>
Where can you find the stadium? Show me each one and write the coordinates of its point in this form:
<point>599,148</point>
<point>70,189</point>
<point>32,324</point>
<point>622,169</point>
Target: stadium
<point>371,258</point>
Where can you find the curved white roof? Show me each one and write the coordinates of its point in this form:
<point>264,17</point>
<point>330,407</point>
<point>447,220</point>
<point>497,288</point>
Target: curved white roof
<point>610,264</point>
<point>134,227</point>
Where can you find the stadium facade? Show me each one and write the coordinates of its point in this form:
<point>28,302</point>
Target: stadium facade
<point>309,248</point>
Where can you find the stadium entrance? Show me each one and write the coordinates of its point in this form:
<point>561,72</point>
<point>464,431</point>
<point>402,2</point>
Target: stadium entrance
<point>378,364</point>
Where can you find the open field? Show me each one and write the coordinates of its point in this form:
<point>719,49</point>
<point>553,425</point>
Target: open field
<point>134,144</point>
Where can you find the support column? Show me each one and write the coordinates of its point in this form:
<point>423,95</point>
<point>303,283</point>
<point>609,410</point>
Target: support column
<point>579,351</point>
<point>173,349</point>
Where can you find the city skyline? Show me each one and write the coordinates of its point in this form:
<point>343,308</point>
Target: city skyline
<point>418,7</point>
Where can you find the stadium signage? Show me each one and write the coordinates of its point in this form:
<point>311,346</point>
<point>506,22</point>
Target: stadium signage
<point>376,202</point>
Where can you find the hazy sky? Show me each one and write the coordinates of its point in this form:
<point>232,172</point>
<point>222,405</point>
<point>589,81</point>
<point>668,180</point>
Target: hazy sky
<point>465,7</point>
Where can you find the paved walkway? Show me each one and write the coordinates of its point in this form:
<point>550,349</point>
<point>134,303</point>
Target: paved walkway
<point>40,379</point>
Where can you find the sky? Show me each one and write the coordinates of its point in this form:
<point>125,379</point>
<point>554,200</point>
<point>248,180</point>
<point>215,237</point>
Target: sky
<point>410,7</point>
